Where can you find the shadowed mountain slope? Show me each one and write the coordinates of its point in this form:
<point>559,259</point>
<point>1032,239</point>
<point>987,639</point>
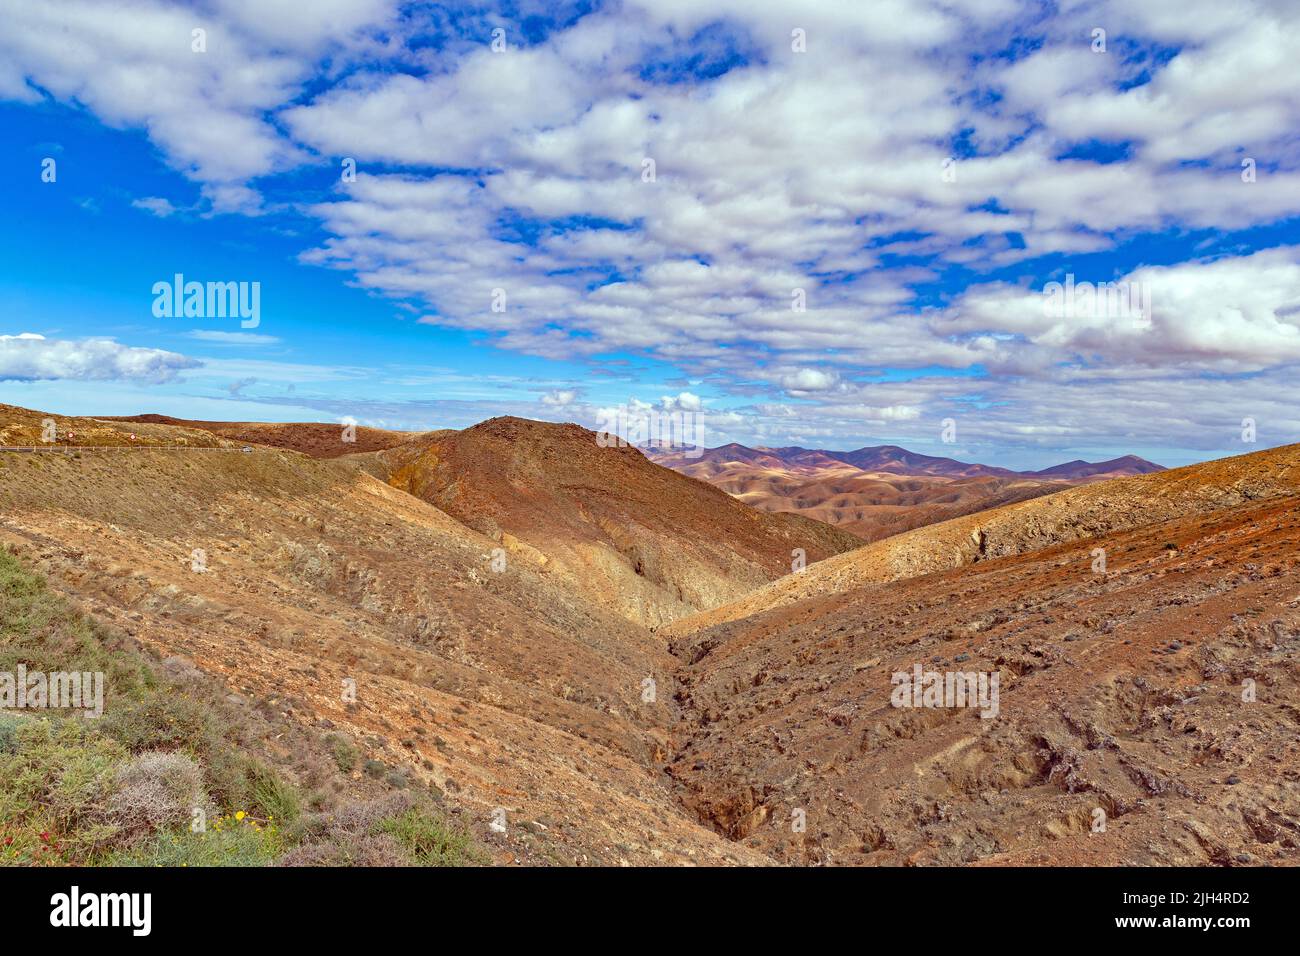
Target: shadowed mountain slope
<point>292,579</point>
<point>1079,470</point>
<point>644,540</point>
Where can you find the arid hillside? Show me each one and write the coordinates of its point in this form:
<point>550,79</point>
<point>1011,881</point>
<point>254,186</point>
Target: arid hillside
<point>317,439</point>
<point>28,428</point>
<point>298,580</point>
<point>1145,713</point>
<point>636,537</point>
<point>643,540</point>
<point>872,505</point>
<point>1144,632</point>
<point>1083,512</point>
<point>879,491</point>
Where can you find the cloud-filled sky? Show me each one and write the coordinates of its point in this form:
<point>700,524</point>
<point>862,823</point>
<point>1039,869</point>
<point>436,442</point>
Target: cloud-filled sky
<point>820,222</point>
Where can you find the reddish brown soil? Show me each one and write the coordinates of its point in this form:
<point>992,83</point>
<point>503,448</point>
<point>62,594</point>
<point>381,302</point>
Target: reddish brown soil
<point>650,543</point>
<point>499,689</point>
<point>1120,691</point>
<point>1082,512</point>
<point>25,427</point>
<point>317,439</point>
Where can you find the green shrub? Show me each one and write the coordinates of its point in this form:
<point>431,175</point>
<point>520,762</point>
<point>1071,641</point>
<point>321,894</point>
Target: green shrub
<point>224,843</point>
<point>397,779</point>
<point>9,724</point>
<point>38,629</point>
<point>272,797</point>
<point>55,788</point>
<point>163,721</point>
<point>429,839</point>
<point>345,752</point>
<point>178,719</point>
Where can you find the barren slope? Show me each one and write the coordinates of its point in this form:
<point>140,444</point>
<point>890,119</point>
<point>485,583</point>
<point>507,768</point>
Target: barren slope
<point>26,427</point>
<point>1124,700</point>
<point>501,689</point>
<point>651,544</point>
<point>318,439</point>
<point>524,688</point>
<point>1080,513</point>
<point>874,505</point>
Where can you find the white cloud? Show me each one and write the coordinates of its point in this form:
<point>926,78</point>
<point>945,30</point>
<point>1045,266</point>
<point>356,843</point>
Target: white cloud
<point>809,380</point>
<point>1231,314</point>
<point>559,397</point>
<point>810,172</point>
<point>232,338</point>
<point>681,402</point>
<point>771,178</point>
<point>156,205</point>
<point>133,64</point>
<point>31,357</point>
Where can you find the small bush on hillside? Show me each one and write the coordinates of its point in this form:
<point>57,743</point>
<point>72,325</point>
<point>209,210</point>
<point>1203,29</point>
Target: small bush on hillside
<point>183,720</point>
<point>164,721</point>
<point>397,779</point>
<point>378,850</point>
<point>345,753</point>
<point>365,816</point>
<point>272,796</point>
<point>156,791</point>
<point>9,725</point>
<point>390,831</point>
<point>429,839</point>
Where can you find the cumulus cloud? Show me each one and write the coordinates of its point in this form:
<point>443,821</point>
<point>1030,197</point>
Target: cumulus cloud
<point>30,357</point>
<point>774,178</point>
<point>809,380</point>
<point>1231,314</point>
<point>681,402</point>
<point>766,228</point>
<point>559,397</point>
<point>136,64</point>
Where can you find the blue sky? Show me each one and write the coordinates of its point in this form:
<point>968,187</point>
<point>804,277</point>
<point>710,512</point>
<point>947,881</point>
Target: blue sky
<point>917,173</point>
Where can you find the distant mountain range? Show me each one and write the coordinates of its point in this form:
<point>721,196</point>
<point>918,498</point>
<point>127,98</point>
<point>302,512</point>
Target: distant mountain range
<point>899,461</point>
<point>883,489</point>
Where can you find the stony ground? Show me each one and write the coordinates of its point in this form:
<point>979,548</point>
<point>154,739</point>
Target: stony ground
<point>1121,699</point>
